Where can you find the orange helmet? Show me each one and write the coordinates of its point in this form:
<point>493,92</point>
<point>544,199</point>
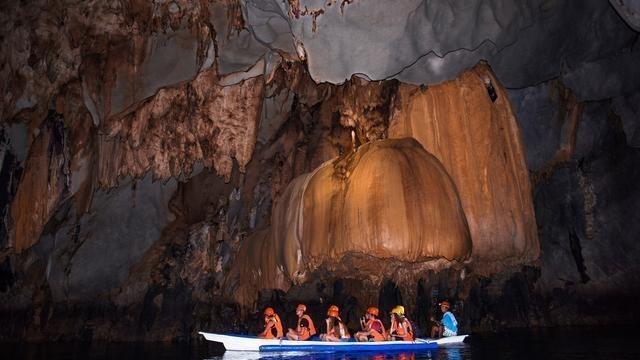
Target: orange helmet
<point>269,312</point>
<point>302,307</point>
<point>333,311</point>
<point>373,311</point>
<point>445,304</point>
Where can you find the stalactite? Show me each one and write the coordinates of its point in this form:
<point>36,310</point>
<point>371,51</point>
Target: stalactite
<point>170,132</point>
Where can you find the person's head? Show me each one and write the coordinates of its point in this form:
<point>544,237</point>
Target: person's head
<point>397,312</point>
<point>269,313</point>
<point>333,311</point>
<point>301,309</point>
<point>372,312</point>
<point>444,306</point>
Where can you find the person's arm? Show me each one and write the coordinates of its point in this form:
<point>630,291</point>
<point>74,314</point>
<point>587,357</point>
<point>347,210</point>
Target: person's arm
<point>363,324</point>
<point>409,327</point>
<point>267,328</point>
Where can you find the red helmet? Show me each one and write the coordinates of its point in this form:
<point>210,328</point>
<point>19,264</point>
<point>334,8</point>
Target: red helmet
<point>445,304</point>
<point>373,311</point>
<point>333,311</point>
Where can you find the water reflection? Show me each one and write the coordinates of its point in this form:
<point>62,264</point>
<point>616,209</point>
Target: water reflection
<point>441,354</point>
<point>559,343</point>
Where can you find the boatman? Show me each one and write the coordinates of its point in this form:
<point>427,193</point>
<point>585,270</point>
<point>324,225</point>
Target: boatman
<point>272,325</point>
<point>336,329</point>
<point>448,326</point>
<point>372,327</point>
<point>305,328</point>
<point>401,328</point>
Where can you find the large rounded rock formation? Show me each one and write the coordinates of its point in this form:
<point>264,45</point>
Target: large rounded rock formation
<point>389,201</point>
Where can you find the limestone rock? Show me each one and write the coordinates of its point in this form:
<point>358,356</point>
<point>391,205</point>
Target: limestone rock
<point>468,124</point>
<point>41,185</point>
<point>170,132</point>
<point>390,200</point>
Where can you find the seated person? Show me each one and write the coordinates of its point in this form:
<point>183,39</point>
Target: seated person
<point>372,327</point>
<point>448,326</point>
<point>272,325</point>
<point>401,328</point>
<point>336,329</point>
<point>305,328</point>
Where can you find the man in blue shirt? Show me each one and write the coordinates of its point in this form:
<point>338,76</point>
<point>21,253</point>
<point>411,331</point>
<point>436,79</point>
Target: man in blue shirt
<point>448,326</point>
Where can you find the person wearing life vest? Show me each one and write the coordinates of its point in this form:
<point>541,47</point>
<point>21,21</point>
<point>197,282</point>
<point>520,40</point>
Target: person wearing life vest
<point>272,325</point>
<point>401,328</point>
<point>448,326</point>
<point>305,328</point>
<point>372,327</point>
<point>336,329</point>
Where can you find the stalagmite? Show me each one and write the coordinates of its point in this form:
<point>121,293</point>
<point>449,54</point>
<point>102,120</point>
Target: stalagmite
<point>389,201</point>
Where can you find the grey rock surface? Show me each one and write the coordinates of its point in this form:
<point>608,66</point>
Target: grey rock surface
<point>425,42</point>
<point>586,212</point>
<point>605,78</point>
<point>628,108</point>
<point>169,58</point>
<point>540,127</point>
<point>237,50</point>
<point>629,10</point>
<point>96,253</point>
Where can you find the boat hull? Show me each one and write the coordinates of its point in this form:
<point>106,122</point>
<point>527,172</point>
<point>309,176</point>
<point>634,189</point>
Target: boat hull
<point>246,343</point>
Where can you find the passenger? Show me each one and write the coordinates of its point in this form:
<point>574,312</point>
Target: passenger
<point>336,329</point>
<point>448,326</point>
<point>305,328</point>
<point>372,328</point>
<point>272,325</point>
<point>401,328</point>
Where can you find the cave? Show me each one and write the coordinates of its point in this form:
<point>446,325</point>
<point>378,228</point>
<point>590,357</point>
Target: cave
<point>173,166</point>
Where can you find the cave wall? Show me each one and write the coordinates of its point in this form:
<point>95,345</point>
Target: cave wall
<point>584,197</point>
<point>144,145</point>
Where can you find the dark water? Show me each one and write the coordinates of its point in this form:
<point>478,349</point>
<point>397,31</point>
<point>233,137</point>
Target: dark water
<point>559,343</point>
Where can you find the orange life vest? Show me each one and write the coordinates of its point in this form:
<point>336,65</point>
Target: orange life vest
<point>402,329</point>
<point>304,333</point>
<point>377,336</point>
<point>270,325</point>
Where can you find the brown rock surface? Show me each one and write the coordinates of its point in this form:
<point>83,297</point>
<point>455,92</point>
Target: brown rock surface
<point>389,201</point>
<point>478,142</point>
<point>41,185</point>
<point>171,131</point>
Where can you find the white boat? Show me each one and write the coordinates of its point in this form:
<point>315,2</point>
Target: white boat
<point>252,343</point>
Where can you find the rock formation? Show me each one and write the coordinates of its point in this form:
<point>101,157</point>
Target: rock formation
<point>468,124</point>
<point>389,201</point>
